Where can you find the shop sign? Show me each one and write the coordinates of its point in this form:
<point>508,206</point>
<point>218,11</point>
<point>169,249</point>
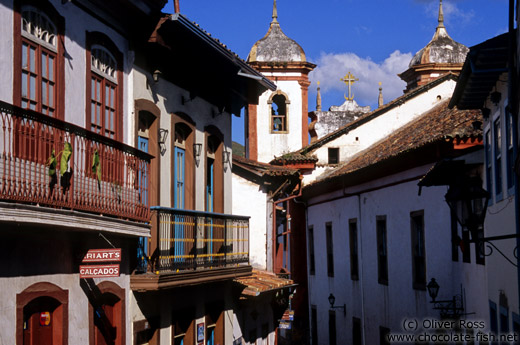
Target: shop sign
<point>285,325</point>
<point>103,255</point>
<point>45,318</point>
<point>96,271</point>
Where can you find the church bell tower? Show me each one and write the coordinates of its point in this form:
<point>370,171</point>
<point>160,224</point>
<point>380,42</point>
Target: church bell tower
<point>278,124</point>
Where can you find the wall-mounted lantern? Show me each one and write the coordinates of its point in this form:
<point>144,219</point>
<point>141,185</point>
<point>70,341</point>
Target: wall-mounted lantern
<point>450,309</point>
<point>197,150</point>
<point>163,135</point>
<point>332,300</point>
<point>225,159</point>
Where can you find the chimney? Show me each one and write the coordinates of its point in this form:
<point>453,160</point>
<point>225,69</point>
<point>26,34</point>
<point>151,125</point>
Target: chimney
<point>176,8</point>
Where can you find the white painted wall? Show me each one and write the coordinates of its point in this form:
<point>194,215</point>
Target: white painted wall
<point>380,127</point>
<point>78,321</point>
<point>500,217</point>
<point>6,51</point>
<point>167,97</point>
<point>375,304</point>
<point>249,200</point>
<point>275,144</point>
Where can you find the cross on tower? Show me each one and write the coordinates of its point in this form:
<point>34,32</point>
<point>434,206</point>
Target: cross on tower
<point>349,79</point>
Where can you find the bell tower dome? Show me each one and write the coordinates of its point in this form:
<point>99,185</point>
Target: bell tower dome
<point>278,124</point>
<point>442,55</point>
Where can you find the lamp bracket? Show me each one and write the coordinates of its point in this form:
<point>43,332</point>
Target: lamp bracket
<point>344,307</point>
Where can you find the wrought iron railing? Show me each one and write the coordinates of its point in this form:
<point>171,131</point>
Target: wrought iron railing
<point>189,240</point>
<point>53,163</point>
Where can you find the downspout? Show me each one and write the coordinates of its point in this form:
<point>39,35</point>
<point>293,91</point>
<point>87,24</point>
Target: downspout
<point>512,97</point>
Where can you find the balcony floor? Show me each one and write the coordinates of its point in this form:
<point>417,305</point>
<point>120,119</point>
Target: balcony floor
<point>69,219</point>
<point>165,280</point>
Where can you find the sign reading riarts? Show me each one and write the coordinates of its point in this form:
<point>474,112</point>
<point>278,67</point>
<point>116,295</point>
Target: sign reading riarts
<point>98,271</point>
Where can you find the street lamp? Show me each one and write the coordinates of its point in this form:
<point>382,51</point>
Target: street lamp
<point>469,203</point>
<point>450,309</point>
<point>332,300</point>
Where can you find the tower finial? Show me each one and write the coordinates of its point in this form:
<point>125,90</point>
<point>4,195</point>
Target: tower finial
<point>318,98</point>
<point>275,13</point>
<point>441,16</point>
<point>380,102</point>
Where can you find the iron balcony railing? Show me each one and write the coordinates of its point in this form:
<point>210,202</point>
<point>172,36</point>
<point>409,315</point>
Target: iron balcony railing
<point>189,240</point>
<point>53,163</point>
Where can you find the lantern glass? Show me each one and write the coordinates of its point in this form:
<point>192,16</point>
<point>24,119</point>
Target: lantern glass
<point>433,289</point>
<point>332,300</point>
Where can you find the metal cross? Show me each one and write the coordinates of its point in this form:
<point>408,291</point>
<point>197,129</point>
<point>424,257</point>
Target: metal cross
<point>349,79</point>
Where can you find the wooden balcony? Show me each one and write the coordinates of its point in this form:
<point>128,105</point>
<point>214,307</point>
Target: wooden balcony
<point>192,247</point>
<point>57,165</point>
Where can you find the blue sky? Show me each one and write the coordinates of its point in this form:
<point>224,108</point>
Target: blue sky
<point>374,39</point>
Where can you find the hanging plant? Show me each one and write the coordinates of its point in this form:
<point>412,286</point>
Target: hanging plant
<point>96,167</point>
<point>51,163</point>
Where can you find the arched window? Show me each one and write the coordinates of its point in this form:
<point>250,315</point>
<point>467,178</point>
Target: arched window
<point>104,86</point>
<point>279,102</point>
<point>38,58</point>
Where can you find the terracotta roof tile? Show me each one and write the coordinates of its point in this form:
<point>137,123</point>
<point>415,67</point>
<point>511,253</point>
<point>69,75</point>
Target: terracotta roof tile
<point>440,123</point>
<point>263,169</point>
<point>263,281</point>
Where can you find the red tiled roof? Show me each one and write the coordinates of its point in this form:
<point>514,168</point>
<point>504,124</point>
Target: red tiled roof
<point>379,111</point>
<point>263,169</point>
<point>438,124</point>
<point>263,281</point>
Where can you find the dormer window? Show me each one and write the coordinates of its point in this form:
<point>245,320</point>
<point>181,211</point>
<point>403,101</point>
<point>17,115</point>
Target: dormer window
<point>279,102</point>
<point>333,155</point>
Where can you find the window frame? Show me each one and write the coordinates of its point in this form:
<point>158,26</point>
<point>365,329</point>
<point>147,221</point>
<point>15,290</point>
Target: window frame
<point>417,230</point>
<point>488,163</point>
<point>312,259</point>
<point>354,249</point>
<point>333,155</point>
<point>497,157</point>
<point>382,260</point>
<point>98,40</point>
<point>283,117</point>
<point>20,37</point>
<point>330,249</point>
<point>510,175</point>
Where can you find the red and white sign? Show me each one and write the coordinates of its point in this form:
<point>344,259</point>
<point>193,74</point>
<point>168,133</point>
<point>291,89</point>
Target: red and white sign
<point>96,271</point>
<point>102,255</point>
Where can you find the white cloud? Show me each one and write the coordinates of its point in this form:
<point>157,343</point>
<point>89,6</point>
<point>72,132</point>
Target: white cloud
<point>332,67</point>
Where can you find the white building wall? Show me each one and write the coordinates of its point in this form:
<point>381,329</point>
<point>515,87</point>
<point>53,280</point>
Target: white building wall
<point>167,97</point>
<point>500,217</point>
<point>375,304</point>
<point>251,201</point>
<point>380,127</point>
<point>6,51</point>
<point>276,144</point>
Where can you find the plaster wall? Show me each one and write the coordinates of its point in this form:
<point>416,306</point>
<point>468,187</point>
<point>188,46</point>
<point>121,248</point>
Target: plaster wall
<point>500,216</point>
<point>275,144</point>
<point>387,305</point>
<point>6,51</point>
<point>168,98</point>
<point>380,127</point>
<point>251,201</point>
<point>78,320</point>
<point>77,24</point>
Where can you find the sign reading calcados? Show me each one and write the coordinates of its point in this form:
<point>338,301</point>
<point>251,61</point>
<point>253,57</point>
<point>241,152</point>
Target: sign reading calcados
<point>96,271</point>
<point>100,255</point>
